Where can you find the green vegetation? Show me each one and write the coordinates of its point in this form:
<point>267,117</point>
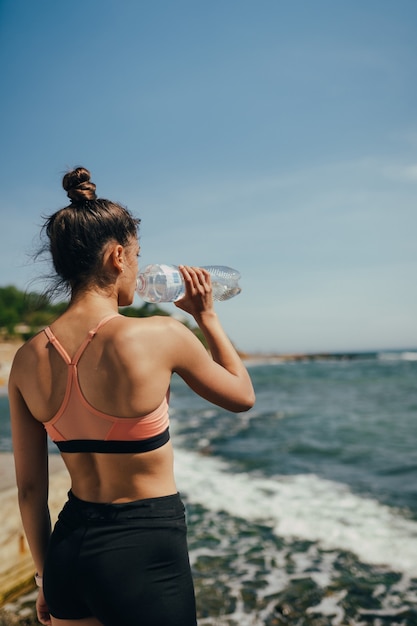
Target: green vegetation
<point>22,314</point>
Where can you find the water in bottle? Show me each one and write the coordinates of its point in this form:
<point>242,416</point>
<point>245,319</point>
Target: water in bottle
<point>164,283</point>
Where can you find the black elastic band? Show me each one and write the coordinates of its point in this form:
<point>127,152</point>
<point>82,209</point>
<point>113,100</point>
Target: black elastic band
<point>97,445</point>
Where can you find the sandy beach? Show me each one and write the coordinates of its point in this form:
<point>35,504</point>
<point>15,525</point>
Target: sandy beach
<point>7,351</point>
<point>16,567</point>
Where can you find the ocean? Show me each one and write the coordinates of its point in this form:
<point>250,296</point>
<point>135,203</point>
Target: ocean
<point>302,511</point>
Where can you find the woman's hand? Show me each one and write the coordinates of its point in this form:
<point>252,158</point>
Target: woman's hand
<point>42,609</point>
<point>198,297</point>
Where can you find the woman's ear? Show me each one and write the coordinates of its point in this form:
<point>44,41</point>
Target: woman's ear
<point>116,257</point>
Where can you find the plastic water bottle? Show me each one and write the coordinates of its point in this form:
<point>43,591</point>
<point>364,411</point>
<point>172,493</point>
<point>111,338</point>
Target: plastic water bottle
<point>164,283</point>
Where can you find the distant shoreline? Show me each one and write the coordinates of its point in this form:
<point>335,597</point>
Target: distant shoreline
<point>305,356</point>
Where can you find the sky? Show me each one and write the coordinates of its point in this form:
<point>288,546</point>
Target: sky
<point>276,137</point>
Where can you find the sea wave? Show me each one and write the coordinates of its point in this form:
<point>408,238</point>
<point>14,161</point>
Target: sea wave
<point>304,506</point>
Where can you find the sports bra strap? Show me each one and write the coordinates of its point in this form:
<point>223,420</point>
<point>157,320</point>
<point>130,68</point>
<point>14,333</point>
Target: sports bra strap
<point>89,337</point>
<point>60,348</point>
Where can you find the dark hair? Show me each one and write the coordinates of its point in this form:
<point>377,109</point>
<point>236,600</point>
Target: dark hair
<point>78,233</point>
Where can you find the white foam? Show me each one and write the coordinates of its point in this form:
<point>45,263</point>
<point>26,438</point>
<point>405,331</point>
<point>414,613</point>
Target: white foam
<point>303,506</point>
<point>329,606</point>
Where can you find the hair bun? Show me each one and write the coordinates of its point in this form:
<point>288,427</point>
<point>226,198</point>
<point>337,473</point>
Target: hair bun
<point>78,186</point>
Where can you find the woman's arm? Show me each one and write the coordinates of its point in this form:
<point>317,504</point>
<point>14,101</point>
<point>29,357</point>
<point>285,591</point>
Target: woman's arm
<point>31,465</point>
<point>221,378</point>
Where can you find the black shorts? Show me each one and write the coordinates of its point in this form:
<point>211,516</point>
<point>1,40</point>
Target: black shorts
<point>125,564</point>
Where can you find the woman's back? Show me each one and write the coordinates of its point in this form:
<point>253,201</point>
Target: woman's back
<point>117,389</point>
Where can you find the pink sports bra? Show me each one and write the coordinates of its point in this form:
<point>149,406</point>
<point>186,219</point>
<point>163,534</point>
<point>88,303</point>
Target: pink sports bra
<point>79,427</point>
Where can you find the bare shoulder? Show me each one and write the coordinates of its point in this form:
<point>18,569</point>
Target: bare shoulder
<point>159,333</point>
<point>29,353</point>
<point>135,326</point>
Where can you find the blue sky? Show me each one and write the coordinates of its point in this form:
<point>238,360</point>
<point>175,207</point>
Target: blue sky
<point>277,137</point>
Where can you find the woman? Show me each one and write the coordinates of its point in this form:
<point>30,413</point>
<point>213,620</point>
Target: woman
<point>98,383</point>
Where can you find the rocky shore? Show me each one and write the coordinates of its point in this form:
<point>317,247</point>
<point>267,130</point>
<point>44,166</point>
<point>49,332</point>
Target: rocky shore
<point>336,590</point>
<point>16,566</point>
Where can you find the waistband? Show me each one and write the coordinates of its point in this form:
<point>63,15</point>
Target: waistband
<point>148,508</point>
